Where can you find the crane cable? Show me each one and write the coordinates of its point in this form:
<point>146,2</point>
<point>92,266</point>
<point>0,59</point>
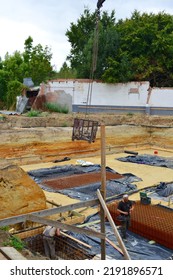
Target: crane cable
<point>94,61</point>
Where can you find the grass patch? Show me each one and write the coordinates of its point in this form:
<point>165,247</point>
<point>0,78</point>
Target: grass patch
<point>130,114</point>
<point>5,228</point>
<point>58,108</point>
<point>33,113</point>
<point>15,242</point>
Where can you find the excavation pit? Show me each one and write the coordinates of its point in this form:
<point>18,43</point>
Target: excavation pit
<point>65,249</point>
<point>82,182</point>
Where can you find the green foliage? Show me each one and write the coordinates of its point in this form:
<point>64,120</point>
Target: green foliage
<point>37,62</point>
<point>14,89</point>
<point>33,113</point>
<point>147,39</point>
<point>15,242</point>
<point>130,114</point>
<point>4,78</point>
<point>82,37</point>
<point>134,49</point>
<point>66,72</point>
<point>13,65</point>
<point>34,62</point>
<point>5,228</point>
<point>58,108</point>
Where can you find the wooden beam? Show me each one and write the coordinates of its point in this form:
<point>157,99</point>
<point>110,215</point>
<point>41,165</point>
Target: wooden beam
<point>60,225</point>
<point>52,202</point>
<point>119,239</point>
<point>115,246</point>
<point>103,189</point>
<point>48,212</point>
<point>75,239</point>
<point>89,224</point>
<point>11,253</point>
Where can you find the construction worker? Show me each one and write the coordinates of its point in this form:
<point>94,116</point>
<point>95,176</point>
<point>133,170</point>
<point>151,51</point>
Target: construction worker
<point>125,207</point>
<point>49,241</point>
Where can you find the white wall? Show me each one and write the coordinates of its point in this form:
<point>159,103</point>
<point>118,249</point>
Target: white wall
<point>161,97</point>
<point>130,96</point>
<point>127,94</point>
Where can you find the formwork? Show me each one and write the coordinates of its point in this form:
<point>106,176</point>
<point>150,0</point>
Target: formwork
<point>65,249</point>
<point>153,222</point>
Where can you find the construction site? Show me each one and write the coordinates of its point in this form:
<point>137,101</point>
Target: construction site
<point>72,177</point>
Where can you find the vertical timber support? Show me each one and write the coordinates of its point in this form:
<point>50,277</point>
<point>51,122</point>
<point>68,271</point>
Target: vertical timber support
<point>120,241</point>
<point>103,189</point>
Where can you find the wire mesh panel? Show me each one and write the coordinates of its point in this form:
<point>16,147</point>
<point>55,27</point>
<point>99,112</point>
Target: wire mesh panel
<point>65,248</point>
<point>84,130</point>
<point>151,221</point>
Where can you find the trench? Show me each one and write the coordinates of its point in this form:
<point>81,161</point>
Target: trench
<point>64,248</point>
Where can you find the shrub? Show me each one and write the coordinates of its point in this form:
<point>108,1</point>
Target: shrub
<point>14,89</point>
<point>15,242</point>
<point>58,108</point>
<point>33,113</point>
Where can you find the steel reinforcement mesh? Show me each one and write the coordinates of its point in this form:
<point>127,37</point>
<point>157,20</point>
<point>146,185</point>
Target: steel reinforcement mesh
<point>65,249</point>
<point>150,221</point>
<point>78,180</point>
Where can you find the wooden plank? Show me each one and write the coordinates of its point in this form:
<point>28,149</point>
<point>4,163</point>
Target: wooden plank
<point>52,202</point>
<point>119,239</point>
<point>115,246</point>
<point>11,253</point>
<point>2,257</point>
<point>75,239</point>
<point>103,189</point>
<point>60,225</point>
<point>89,224</point>
<point>48,212</point>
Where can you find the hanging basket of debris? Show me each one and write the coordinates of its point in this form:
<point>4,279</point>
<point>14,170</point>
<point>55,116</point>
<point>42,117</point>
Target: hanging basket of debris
<point>84,130</point>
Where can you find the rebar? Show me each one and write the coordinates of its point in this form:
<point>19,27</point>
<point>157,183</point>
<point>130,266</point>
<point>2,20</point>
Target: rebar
<point>150,221</point>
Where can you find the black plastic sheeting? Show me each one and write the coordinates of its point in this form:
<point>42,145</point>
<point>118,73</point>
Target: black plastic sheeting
<point>164,189</point>
<point>85,192</point>
<point>65,170</point>
<point>88,192</point>
<point>149,160</point>
<point>138,247</point>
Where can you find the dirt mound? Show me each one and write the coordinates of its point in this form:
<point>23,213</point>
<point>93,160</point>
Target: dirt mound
<point>19,194</point>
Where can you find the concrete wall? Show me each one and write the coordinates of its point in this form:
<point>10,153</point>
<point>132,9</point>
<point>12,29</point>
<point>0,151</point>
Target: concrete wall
<point>132,97</point>
<point>161,101</point>
<point>60,97</point>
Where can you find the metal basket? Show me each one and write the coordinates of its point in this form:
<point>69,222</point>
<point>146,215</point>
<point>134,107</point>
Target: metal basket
<point>84,130</point>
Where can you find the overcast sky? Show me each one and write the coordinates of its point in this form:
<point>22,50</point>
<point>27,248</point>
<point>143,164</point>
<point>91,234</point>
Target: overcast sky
<point>46,21</point>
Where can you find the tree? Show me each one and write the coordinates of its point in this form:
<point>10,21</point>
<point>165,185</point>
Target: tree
<point>4,78</point>
<point>13,65</point>
<point>66,72</point>
<point>34,62</point>
<point>14,89</point>
<point>138,48</point>
<point>37,62</point>
<point>146,43</point>
<point>82,36</point>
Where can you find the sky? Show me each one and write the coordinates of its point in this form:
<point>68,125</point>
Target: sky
<point>47,21</point>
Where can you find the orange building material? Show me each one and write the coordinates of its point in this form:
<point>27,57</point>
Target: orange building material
<point>150,221</point>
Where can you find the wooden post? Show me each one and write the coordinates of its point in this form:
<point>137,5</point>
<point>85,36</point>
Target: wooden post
<point>119,239</point>
<point>103,190</point>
